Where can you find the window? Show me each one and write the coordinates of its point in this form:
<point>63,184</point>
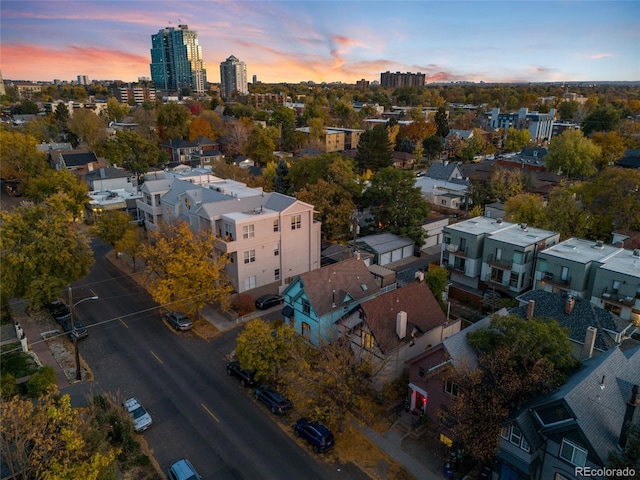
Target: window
<point>615,286</point>
<point>276,250</point>
<point>296,222</point>
<point>250,282</point>
<point>525,445</point>
<point>564,275</point>
<point>306,331</point>
<point>615,309</point>
<point>572,453</point>
<point>498,254</point>
<point>422,372</point>
<point>249,256</point>
<point>517,258</point>
<point>513,280</point>
<point>459,264</point>
<point>516,435</point>
<point>451,388</point>
<point>156,201</point>
<point>247,232</point>
<point>306,308</point>
<point>276,225</point>
<point>447,240</point>
<point>228,232</point>
<point>276,274</point>
<point>367,340</point>
<point>504,432</point>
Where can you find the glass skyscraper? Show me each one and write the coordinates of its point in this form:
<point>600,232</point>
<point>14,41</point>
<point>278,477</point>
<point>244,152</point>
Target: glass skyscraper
<point>233,77</point>
<point>176,61</point>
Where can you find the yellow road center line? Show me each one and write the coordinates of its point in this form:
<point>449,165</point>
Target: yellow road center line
<point>157,358</point>
<point>210,412</point>
<point>123,323</point>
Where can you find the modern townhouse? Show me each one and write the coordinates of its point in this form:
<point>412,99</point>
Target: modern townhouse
<point>509,256</point>
<point>571,266</point>
<point>616,286</point>
<point>269,238</point>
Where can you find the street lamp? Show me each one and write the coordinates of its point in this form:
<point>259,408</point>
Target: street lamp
<point>73,331</point>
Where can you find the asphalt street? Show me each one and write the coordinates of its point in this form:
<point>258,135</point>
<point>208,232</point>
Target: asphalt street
<point>198,411</point>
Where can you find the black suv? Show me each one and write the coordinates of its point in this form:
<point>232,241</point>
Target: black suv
<point>59,311</point>
<point>276,402</point>
<point>245,376</point>
<point>319,436</point>
<point>267,301</point>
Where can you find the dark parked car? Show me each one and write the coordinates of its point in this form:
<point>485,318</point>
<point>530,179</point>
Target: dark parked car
<point>80,331</point>
<point>268,301</point>
<point>182,470</point>
<point>276,402</point>
<point>245,376</point>
<point>319,436</point>
<point>179,321</point>
<point>59,311</point>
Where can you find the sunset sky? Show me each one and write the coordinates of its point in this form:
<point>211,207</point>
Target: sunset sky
<point>325,41</point>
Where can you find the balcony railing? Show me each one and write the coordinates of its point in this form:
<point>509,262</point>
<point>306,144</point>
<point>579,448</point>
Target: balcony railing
<point>499,262</point>
<point>610,295</point>
<point>460,252</point>
<point>498,283</point>
<point>549,277</point>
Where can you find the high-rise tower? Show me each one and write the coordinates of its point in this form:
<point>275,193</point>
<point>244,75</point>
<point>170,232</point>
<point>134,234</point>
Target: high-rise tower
<point>176,60</point>
<point>233,77</point>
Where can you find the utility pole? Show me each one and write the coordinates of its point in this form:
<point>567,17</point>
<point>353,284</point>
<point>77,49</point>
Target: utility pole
<point>76,352</point>
<point>354,228</point>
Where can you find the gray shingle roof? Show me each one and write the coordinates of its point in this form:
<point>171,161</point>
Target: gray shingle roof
<point>461,353</point>
<point>584,315</point>
<point>442,171</point>
<point>351,281</point>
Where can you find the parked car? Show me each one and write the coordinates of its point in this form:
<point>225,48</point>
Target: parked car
<point>140,416</point>
<point>79,332</point>
<point>59,311</point>
<point>245,376</point>
<point>319,436</point>
<point>179,321</point>
<point>182,470</point>
<point>267,301</point>
<point>276,402</point>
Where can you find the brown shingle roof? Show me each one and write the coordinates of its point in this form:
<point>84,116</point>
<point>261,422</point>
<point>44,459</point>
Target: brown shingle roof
<point>416,300</point>
<point>350,279</point>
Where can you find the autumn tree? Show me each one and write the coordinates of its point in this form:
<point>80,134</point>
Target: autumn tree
<point>261,145</point>
<point>42,251</point>
<point>397,204</point>
<point>134,152</point>
<point>505,183</point>
<point>517,139</point>
<point>130,244</point>
<point>48,439</point>
<point>517,359</point>
<point>417,130</point>
<point>87,126</point>
<point>334,206</point>
<point>183,269</point>
<point>116,111</point>
<point>565,212</point>
<point>612,148</point>
<point>173,121</point>
<point>374,150</point>
<point>200,128</point>
<point>112,226</point>
<point>572,154</point>
<point>216,123</point>
<point>526,208</point>
<point>50,182</point>
<point>235,137</point>
<point>19,157</point>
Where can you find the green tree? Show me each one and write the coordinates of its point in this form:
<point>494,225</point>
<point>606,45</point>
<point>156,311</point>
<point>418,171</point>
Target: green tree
<point>61,116</point>
<point>516,139</point>
<point>517,359</point>
<point>334,205</point>
<point>116,111</point>
<point>41,381</point>
<point>604,118</point>
<point>134,152</point>
<point>566,214</point>
<point>43,129</point>
<point>332,167</point>
<point>48,439</point>
<point>572,154</point>
<point>629,457</point>
<point>87,126</point>
<point>260,145</point>
<point>397,204</point>
<point>612,148</point>
<point>19,158</point>
<point>281,182</point>
<point>432,147</point>
<point>42,251</point>
<point>183,270</point>
<point>505,183</point>
<point>437,278</point>
<point>374,150</point>
<point>568,110</point>
<point>49,183</point>
<point>442,122</point>
<point>173,121</point>
<point>112,226</point>
<point>130,244</point>
<point>526,208</point>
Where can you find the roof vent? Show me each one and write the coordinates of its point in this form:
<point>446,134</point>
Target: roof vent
<point>523,226</point>
<point>636,252</point>
<point>499,220</point>
<point>599,244</point>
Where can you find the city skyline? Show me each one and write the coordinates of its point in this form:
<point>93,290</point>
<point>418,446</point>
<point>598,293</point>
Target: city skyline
<point>330,41</point>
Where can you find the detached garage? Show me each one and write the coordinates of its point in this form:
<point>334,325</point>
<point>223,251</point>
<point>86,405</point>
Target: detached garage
<point>386,247</point>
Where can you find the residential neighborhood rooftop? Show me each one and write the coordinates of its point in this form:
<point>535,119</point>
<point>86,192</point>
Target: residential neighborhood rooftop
<point>582,251</point>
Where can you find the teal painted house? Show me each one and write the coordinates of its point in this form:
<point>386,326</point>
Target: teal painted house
<point>316,301</point>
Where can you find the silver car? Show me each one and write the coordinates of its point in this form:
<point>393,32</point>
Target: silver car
<point>179,321</point>
<point>141,418</point>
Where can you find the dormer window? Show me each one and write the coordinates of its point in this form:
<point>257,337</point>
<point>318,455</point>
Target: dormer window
<point>573,453</point>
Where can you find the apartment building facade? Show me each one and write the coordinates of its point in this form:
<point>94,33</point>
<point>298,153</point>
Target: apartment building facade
<point>233,78</point>
<point>540,125</point>
<point>616,286</point>
<point>397,79</point>
<point>269,238</point>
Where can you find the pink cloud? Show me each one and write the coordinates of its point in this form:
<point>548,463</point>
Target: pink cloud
<point>598,56</point>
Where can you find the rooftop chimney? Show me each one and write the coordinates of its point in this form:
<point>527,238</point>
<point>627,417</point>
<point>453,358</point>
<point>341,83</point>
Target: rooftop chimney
<point>630,415</point>
<point>569,304</point>
<point>530,309</point>
<point>589,343</point>
<point>401,324</point>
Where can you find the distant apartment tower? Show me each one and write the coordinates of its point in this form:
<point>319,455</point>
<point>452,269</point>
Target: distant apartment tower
<point>233,77</point>
<point>255,79</point>
<point>137,93</point>
<point>176,60</point>
<point>540,125</point>
<point>83,80</point>
<point>362,84</point>
<point>2,89</point>
<point>388,79</point>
